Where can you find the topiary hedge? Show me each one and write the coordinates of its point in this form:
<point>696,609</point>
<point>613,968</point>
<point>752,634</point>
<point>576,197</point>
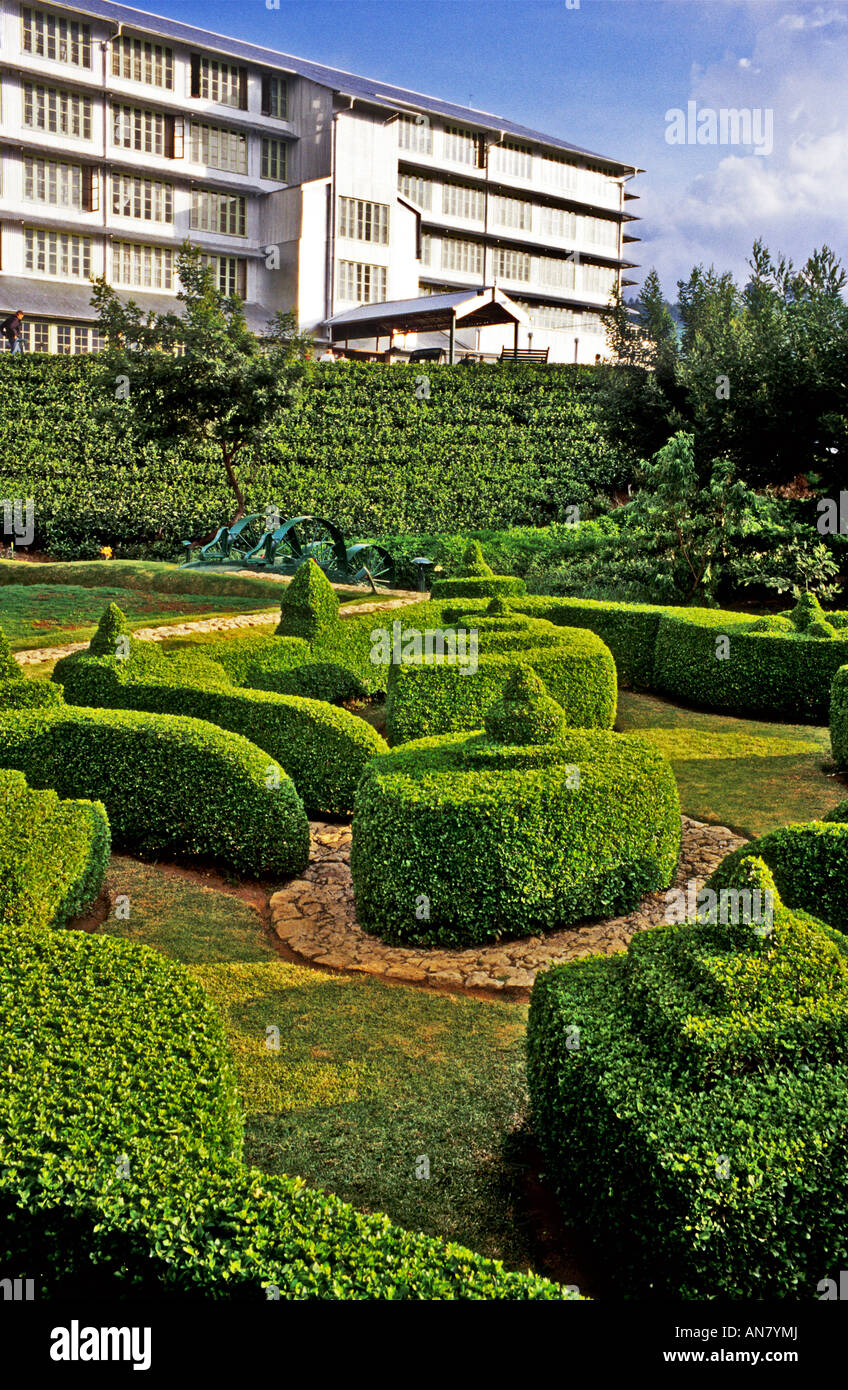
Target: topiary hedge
<point>839,717</point>
<point>478,586</point>
<point>442,697</point>
<point>322,748</point>
<point>462,840</point>
<point>809,864</point>
<point>53,854</point>
<point>167,782</point>
<point>119,1152</point>
<point>724,661</point>
<point>691,1098</point>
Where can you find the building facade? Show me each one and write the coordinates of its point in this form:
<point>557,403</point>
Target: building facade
<point>122,134</point>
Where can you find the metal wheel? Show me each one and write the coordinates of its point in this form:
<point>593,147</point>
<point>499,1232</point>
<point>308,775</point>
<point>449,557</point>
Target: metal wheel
<point>247,537</point>
<point>369,559</point>
<point>309,538</point>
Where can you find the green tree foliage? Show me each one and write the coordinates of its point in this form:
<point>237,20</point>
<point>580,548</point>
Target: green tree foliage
<point>200,376</point>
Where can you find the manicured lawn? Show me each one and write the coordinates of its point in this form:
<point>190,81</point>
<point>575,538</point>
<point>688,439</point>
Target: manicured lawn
<point>368,1077</point>
<point>748,775</point>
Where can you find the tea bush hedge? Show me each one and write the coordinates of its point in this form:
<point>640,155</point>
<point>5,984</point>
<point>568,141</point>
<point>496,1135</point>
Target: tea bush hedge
<point>167,783</point>
<point>53,854</point>
<point>120,1166</point>
<point>322,748</point>
<point>839,717</point>
<point>440,698</point>
<point>459,840</point>
<point>691,1098</point>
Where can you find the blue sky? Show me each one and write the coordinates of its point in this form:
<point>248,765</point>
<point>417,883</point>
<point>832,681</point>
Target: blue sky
<point>604,75</point>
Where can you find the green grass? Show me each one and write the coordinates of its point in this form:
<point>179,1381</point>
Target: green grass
<point>368,1077</point>
<point>748,775</point>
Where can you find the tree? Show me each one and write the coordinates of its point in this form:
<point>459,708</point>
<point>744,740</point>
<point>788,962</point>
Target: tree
<point>201,375</point>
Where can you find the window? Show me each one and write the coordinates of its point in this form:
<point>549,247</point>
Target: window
<point>214,80</point>
<point>514,160</point>
<point>416,189</point>
<point>599,231</point>
<point>63,337</point>
<point>362,284</point>
<point>57,253</point>
<point>512,212</point>
<point>135,129</point>
<point>465,256</point>
<point>37,336</point>
<point>230,274</point>
<point>363,221</point>
<point>275,162</point>
<point>275,97</point>
<point>416,134</point>
<point>556,271</point>
<point>59,113</point>
<point>597,279</point>
<point>224,213</point>
<point>145,199</point>
<point>137,60</point>
<point>458,200</point>
<point>511,265</point>
<point>556,316</point>
<point>59,185</point>
<point>557,222</point>
<point>460,145</point>
<point>558,172</point>
<point>55,37</point>
<point>218,148</point>
<point>143,267</point>
<point>426,249</point>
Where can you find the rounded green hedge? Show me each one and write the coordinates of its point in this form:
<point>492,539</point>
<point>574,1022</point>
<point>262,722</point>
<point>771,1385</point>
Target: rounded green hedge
<point>691,1099</point>
<point>753,671</point>
<point>809,863</point>
<point>53,854</point>
<point>120,1150</point>
<point>839,717</point>
<point>458,840</point>
<point>167,782</point>
<point>322,748</point>
<point>478,586</point>
<point>578,670</point>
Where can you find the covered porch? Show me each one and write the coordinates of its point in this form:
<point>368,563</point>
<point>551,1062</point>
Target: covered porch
<point>437,313</point>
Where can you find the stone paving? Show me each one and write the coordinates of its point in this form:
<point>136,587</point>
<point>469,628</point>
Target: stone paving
<point>315,916</point>
<point>33,655</point>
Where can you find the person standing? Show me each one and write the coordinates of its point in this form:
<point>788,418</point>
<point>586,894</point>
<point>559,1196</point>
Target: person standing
<point>12,330</point>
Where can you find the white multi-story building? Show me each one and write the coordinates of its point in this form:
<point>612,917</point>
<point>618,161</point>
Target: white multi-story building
<point>310,189</point>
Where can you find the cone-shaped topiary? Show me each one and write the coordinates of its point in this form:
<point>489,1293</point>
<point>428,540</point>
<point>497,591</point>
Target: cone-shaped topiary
<point>498,609</point>
<point>473,563</point>
<point>9,668</point>
<point>525,712</point>
<point>113,635</point>
<point>310,605</point>
<point>807,610</point>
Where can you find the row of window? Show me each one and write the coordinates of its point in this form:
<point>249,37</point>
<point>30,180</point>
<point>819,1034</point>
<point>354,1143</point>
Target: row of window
<point>555,316</point>
<point>57,112</point>
<point>469,204</point>
<point>361,284</point>
<point>416,134</point>
<point>67,256</point>
<point>39,335</point>
<point>466,257</point>
<point>63,40</point>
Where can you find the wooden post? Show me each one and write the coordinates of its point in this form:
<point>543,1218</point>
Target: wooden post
<point>452,338</point>
<point>515,342</point>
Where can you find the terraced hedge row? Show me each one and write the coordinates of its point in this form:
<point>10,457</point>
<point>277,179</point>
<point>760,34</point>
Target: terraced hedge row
<point>496,446</point>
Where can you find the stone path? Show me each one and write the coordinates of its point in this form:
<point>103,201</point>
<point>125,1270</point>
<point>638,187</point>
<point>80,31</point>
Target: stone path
<point>33,655</point>
<point>315,916</point>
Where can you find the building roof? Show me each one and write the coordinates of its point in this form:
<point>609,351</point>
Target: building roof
<point>468,309</point>
<point>56,300</point>
<point>346,83</point>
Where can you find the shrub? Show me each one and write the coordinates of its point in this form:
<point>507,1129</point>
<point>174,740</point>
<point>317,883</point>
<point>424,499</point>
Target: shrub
<point>772,622</point>
<point>113,633</point>
<point>690,1097</point>
<point>53,855</point>
<point>772,673</point>
<point>28,694</point>
<point>459,840</point>
<point>167,782</point>
<point>474,564</point>
<point>119,1152</point>
<point>322,748</point>
<point>478,586</point>
<point>809,864</point>
<point>628,629</point>
<point>309,606</point>
<point>10,669</point>
<point>524,712</point>
<point>806,612</point>
<point>576,667</point>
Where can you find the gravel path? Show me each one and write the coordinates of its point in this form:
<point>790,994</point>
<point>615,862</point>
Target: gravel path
<point>315,916</point>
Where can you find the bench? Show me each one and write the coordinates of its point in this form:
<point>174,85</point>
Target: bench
<point>524,355</point>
